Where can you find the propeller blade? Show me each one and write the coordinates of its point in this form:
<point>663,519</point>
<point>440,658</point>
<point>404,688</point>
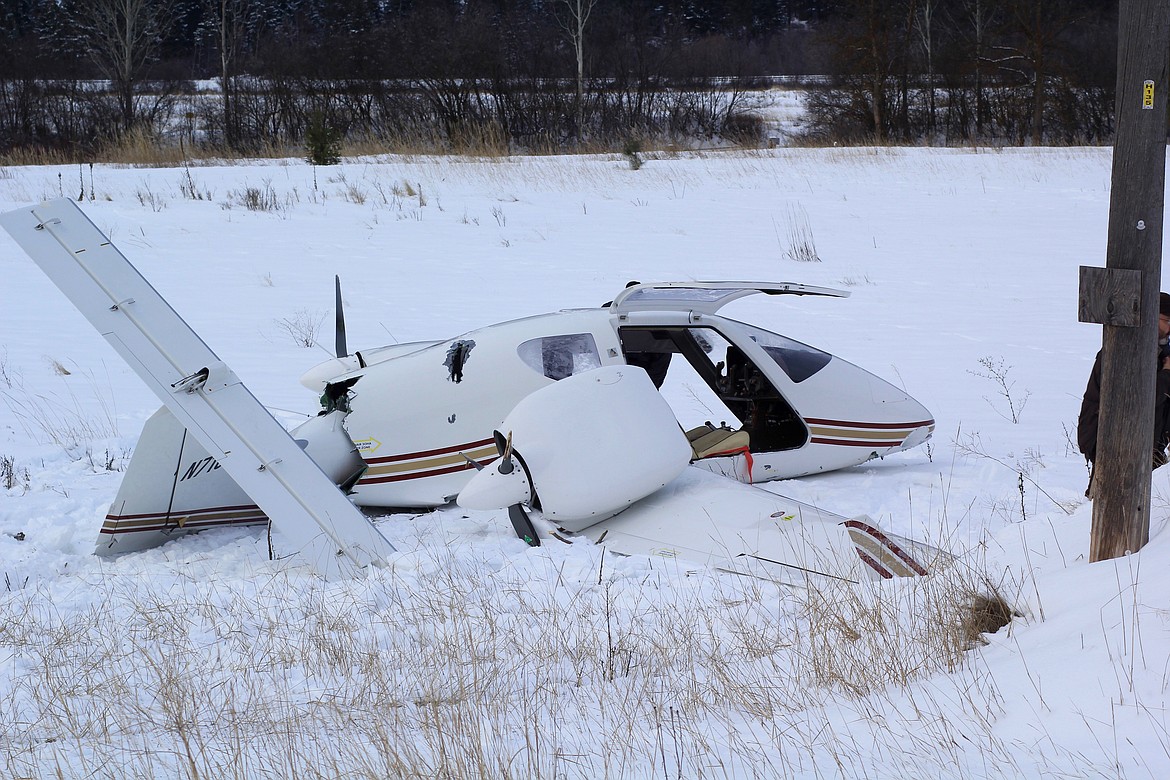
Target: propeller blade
<point>522,524</point>
<point>504,447</point>
<point>339,322</point>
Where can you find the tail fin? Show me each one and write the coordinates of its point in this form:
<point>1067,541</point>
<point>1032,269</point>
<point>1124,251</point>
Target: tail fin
<point>171,488</point>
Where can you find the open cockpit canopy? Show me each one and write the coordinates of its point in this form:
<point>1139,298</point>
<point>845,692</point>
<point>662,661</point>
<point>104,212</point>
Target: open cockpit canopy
<point>705,297</point>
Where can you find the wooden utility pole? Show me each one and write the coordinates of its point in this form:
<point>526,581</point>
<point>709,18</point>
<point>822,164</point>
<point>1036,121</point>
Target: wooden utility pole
<point>1124,295</point>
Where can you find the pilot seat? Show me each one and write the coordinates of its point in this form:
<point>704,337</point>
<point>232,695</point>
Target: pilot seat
<point>708,441</point>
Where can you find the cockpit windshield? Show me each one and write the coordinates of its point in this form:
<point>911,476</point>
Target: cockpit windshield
<point>799,361</point>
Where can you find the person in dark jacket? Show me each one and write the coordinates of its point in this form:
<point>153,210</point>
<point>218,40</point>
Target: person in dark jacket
<point>1091,403</point>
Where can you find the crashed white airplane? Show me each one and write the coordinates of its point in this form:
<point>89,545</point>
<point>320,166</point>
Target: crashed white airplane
<point>559,418</point>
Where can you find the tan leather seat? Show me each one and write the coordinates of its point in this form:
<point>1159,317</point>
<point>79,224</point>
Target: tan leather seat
<point>707,440</point>
<point>702,430</point>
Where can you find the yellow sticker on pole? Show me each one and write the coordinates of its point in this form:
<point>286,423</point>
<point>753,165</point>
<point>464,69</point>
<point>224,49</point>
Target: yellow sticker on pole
<point>1148,94</point>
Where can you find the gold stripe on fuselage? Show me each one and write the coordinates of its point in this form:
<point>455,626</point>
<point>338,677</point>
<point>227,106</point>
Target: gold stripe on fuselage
<point>427,464</point>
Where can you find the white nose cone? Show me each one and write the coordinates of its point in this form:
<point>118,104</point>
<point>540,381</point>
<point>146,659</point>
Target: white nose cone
<point>490,489</point>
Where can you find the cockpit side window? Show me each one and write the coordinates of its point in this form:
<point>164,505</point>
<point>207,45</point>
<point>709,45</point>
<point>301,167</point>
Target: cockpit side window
<point>558,357</point>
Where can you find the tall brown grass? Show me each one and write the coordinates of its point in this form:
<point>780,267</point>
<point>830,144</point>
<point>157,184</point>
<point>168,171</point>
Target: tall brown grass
<point>142,149</point>
<point>451,666</point>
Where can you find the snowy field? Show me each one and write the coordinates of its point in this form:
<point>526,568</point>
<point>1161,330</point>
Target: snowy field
<point>475,656</point>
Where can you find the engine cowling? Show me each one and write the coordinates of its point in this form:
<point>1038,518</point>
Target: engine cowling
<point>588,446</point>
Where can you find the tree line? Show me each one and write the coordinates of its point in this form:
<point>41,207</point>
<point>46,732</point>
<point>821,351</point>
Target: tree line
<point>1018,71</point>
<point>547,74</point>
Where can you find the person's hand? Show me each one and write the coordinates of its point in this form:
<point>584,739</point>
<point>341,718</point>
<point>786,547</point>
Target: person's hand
<point>1166,363</point>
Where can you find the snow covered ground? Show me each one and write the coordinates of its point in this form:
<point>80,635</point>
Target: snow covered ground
<point>474,655</point>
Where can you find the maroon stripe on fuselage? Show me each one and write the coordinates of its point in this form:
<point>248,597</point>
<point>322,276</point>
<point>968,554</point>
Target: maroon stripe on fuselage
<point>422,474</point>
<point>191,524</point>
<point>429,453</point>
<point>185,512</point>
<point>871,425</point>
<point>855,443</point>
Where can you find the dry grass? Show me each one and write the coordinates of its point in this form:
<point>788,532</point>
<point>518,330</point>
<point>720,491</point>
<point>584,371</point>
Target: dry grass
<point>303,327</point>
<point>989,613</point>
<point>801,246</point>
<point>18,157</point>
<point>458,668</point>
<point>144,150</point>
<point>62,417</point>
<point>140,149</point>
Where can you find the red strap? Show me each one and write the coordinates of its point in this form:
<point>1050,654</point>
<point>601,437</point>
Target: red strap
<point>747,456</point>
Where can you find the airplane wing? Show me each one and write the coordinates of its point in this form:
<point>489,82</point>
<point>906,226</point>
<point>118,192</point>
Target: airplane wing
<point>714,521</point>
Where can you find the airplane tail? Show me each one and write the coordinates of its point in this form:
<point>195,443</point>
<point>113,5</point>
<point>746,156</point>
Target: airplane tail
<point>173,487</point>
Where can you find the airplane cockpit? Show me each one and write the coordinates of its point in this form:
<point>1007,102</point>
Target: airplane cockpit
<point>714,381</point>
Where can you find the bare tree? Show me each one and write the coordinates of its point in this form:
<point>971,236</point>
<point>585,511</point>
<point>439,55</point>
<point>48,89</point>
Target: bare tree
<point>974,21</point>
<point>230,22</point>
<point>867,48</point>
<point>573,22</point>
<point>1038,26</point>
<point>924,25</point>
<point>122,37</point>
